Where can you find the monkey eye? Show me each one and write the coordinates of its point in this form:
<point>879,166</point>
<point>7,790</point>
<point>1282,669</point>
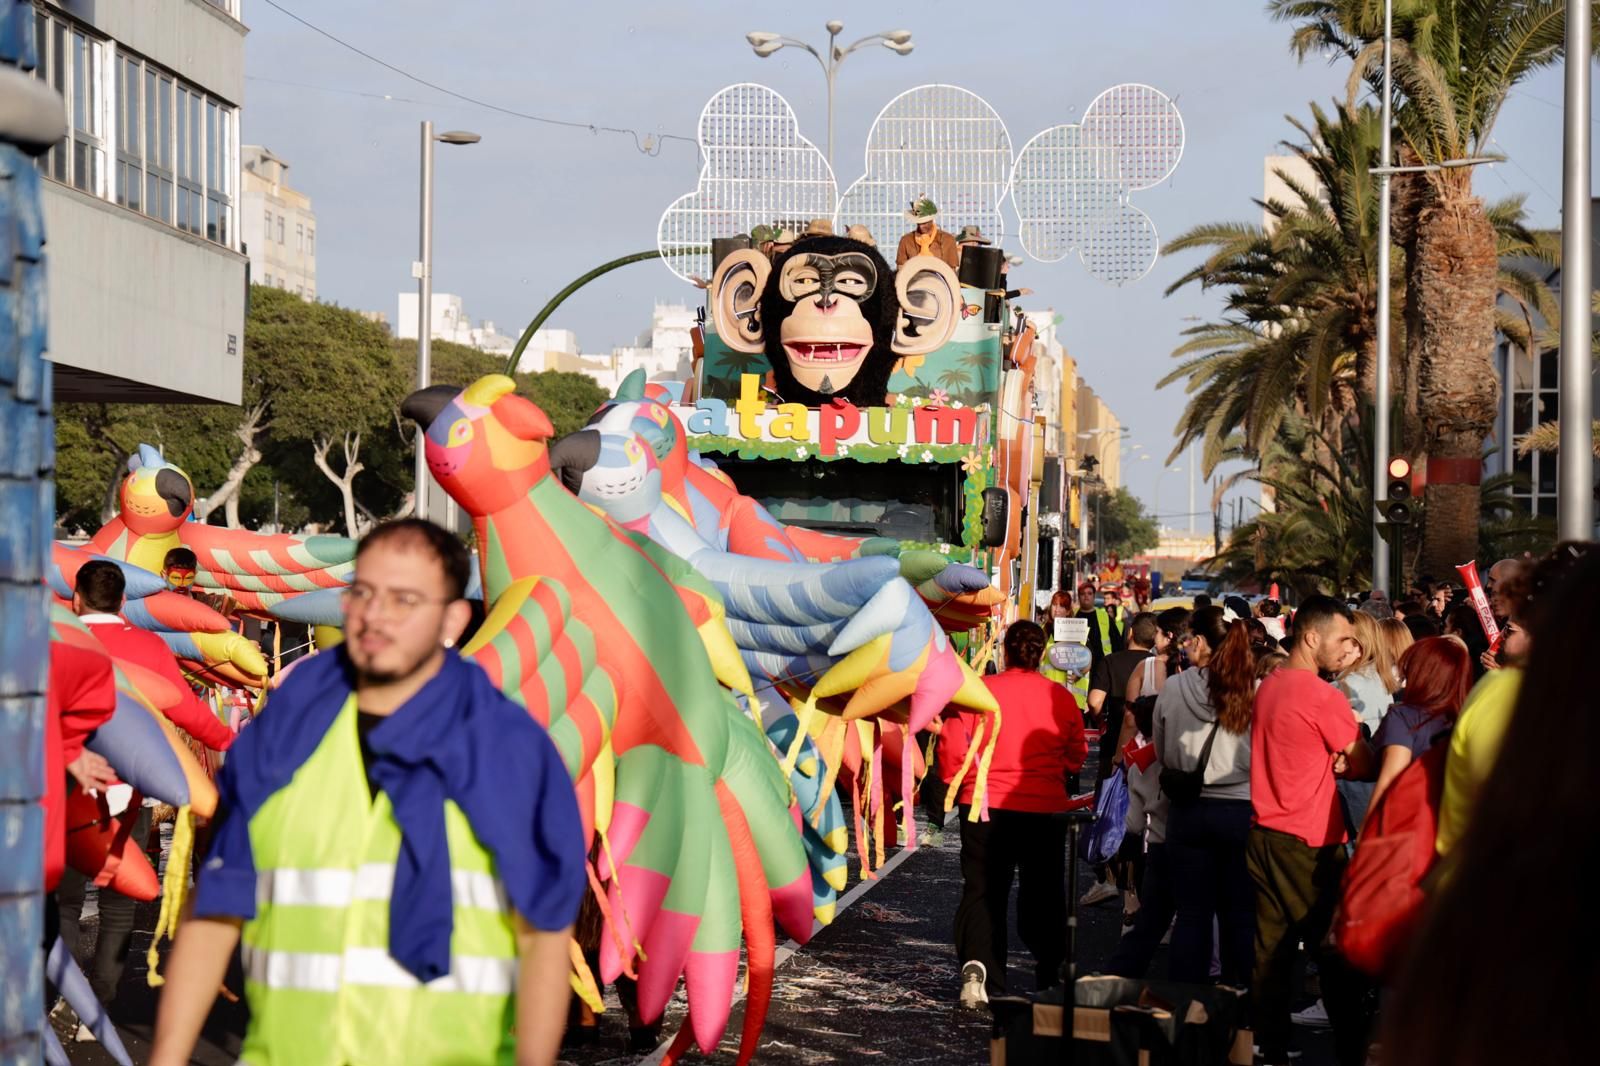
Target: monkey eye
<point>849,283</point>
<point>802,282</point>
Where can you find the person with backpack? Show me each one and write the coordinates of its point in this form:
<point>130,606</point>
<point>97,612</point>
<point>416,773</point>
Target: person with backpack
<point>1492,976</point>
<point>1435,678</point>
<point>1303,736</point>
<point>1202,737</point>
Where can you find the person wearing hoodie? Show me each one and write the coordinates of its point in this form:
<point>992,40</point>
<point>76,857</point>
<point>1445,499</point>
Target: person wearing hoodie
<point>1202,725</point>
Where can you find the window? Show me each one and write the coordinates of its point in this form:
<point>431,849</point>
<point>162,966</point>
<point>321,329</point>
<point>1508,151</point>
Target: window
<point>130,130</point>
<point>266,279</point>
<point>280,229</point>
<point>72,62</point>
<point>311,242</point>
<point>138,135</point>
<point>299,237</point>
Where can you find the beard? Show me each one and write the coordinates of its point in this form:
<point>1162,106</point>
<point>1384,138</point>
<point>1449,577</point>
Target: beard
<point>372,674</point>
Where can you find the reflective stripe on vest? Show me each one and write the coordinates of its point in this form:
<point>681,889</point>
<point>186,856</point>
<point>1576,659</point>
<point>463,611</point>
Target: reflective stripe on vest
<point>339,888</point>
<point>376,967</point>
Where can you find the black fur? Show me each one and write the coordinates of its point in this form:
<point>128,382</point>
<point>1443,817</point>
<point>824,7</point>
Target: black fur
<point>881,309</point>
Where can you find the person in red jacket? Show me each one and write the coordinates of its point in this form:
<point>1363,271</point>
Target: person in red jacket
<point>1039,747</point>
<point>97,600</point>
<point>82,695</point>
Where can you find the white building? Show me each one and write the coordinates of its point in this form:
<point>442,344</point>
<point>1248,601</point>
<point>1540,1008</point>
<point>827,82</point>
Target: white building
<point>147,282</point>
<point>278,226</point>
<point>449,322</point>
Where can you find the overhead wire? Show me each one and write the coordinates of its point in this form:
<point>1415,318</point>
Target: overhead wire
<point>649,144</point>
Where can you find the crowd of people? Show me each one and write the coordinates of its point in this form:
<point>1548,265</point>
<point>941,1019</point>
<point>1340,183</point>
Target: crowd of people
<point>1256,744</point>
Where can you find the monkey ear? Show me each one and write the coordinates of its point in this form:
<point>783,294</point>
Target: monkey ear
<point>930,299</point>
<point>736,290</point>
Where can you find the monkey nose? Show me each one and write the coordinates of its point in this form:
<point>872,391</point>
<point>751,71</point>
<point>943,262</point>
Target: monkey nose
<point>827,305</point>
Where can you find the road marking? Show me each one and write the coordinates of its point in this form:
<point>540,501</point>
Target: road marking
<point>792,947</point>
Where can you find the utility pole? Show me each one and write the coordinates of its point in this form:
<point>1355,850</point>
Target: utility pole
<point>1575,459</point>
<point>1381,403</point>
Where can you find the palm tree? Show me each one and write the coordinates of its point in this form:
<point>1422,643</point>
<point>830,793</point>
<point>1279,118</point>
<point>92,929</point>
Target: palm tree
<point>1300,328</point>
<point>1454,62</point>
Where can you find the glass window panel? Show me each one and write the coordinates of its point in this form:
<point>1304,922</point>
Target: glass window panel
<point>311,242</point>
<point>211,145</point>
<point>80,89</point>
<point>194,137</point>
<point>1547,506</point>
<point>165,113</point>
<point>1549,369</point>
<point>1521,413</point>
<point>224,152</point>
<point>1547,473</point>
<point>1524,471</point>
<point>213,219</point>
<point>183,132</point>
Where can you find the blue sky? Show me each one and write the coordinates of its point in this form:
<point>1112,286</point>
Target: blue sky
<point>534,205</point>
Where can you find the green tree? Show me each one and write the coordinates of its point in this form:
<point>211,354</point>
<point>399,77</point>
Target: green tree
<point>1125,528</point>
<point>1454,63</point>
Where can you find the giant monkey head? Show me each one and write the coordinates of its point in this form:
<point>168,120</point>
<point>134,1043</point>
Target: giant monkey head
<point>832,316</point>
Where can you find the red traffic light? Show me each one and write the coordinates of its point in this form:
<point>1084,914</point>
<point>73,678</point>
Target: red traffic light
<point>1399,468</point>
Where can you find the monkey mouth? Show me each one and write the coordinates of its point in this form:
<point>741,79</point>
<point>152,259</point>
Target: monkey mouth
<point>824,353</point>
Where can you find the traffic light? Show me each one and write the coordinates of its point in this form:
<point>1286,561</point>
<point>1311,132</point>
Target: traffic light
<point>1397,508</point>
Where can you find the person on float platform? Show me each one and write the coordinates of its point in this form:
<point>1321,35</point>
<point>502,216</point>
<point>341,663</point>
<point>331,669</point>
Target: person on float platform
<point>399,848</point>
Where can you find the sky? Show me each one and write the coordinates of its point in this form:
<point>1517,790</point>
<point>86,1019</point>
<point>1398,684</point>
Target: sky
<point>533,205</point>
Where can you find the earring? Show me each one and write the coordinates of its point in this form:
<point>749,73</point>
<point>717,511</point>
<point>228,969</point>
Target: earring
<point>450,642</point>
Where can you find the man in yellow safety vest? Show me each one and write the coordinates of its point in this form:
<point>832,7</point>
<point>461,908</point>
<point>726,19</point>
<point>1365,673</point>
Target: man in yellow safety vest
<point>399,848</point>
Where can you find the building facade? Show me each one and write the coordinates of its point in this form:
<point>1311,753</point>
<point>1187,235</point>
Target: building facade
<point>142,198</point>
<point>449,322</point>
<point>277,224</point>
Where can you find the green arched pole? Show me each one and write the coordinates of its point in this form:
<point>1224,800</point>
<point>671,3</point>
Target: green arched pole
<point>561,297</point>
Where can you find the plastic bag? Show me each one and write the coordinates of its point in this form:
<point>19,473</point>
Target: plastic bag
<point>1104,837</point>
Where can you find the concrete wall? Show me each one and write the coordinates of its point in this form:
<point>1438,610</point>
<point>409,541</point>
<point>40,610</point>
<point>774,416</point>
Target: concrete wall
<point>27,506</point>
<point>143,302</point>
<point>193,38</point>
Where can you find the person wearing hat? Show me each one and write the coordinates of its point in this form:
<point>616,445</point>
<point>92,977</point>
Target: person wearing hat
<point>819,227</point>
<point>860,233</point>
<point>927,238</point>
<point>782,241</point>
<point>971,236</point>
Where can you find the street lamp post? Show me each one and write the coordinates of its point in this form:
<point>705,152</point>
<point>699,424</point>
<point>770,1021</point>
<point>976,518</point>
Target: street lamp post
<point>765,44</point>
<point>422,270</point>
<point>1380,414</point>
<point>1575,459</point>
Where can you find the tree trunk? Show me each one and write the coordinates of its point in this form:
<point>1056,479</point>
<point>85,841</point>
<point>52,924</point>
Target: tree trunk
<point>1457,389</point>
<point>345,481</point>
<point>227,494</point>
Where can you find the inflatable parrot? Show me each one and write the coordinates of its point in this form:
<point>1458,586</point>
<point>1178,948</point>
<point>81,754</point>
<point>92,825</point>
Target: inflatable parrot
<point>258,571</point>
<point>596,631</point>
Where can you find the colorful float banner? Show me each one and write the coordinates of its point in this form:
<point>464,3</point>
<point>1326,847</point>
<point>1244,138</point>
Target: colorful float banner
<point>911,429</point>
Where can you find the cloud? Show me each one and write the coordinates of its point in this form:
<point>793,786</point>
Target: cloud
<point>939,141</point>
<point>1071,186</point>
<point>757,169</point>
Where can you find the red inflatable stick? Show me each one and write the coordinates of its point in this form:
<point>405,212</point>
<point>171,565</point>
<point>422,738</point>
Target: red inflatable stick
<point>1480,602</point>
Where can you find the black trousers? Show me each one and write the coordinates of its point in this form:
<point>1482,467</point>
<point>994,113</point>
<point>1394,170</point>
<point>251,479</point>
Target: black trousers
<point>1032,848</point>
<point>116,921</point>
<point>1297,888</point>
<point>1157,905</point>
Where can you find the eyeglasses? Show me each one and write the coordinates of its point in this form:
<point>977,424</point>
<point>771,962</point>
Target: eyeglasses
<point>396,603</point>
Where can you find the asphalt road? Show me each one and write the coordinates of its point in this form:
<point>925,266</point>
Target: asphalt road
<point>878,985</point>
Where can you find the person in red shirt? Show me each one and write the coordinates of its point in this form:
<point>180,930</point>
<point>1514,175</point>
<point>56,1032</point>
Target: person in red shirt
<point>1303,736</point>
<point>1039,747</point>
<point>97,599</point>
<point>82,695</point>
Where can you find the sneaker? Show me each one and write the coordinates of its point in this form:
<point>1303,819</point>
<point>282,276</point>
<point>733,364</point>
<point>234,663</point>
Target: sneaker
<point>973,993</point>
<point>1098,892</point>
<point>83,1035</point>
<point>1313,1017</point>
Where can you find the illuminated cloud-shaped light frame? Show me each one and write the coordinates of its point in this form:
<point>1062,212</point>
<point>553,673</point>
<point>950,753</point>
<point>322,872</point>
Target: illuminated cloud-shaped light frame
<point>1071,183</point>
<point>941,141</point>
<point>756,169</point>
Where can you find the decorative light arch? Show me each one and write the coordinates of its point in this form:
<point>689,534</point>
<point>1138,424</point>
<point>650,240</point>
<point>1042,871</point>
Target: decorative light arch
<point>757,169</point>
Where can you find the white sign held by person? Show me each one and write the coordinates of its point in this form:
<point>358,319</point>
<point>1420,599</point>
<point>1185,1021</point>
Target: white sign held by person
<point>1072,631</point>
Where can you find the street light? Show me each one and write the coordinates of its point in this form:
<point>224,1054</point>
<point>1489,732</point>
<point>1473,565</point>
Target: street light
<point>422,270</point>
<point>765,44</point>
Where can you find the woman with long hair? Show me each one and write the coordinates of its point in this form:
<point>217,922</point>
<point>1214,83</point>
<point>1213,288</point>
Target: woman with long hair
<point>1397,637</point>
<point>1370,681</point>
<point>1202,723</point>
<point>1436,675</point>
<point>1493,977</point>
